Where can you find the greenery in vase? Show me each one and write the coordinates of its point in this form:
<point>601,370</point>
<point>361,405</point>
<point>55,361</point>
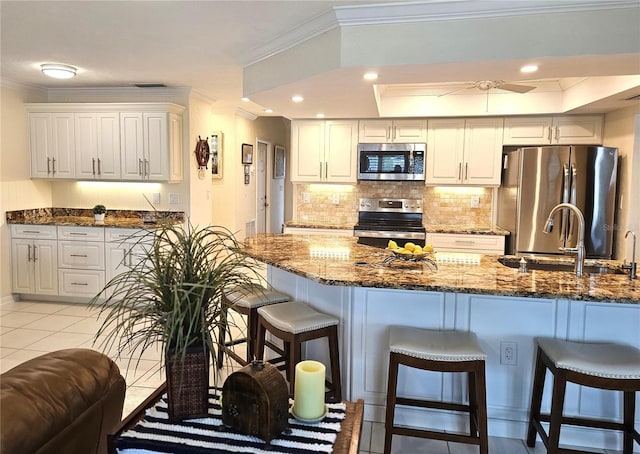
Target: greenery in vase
<point>173,295</point>
<point>99,209</point>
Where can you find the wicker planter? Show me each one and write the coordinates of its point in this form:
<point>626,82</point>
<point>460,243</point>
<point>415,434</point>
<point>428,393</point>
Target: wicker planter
<point>188,384</point>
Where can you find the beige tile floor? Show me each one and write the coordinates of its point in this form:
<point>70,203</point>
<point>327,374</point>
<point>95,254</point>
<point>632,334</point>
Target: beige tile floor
<point>29,329</point>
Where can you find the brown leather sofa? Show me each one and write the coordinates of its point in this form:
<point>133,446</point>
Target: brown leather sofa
<point>61,402</point>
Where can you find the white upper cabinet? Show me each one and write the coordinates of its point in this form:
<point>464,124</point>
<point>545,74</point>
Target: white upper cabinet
<point>324,151</point>
<point>464,152</point>
<point>52,145</point>
<point>98,145</point>
<point>561,130</point>
<point>137,141</point>
<point>393,131</point>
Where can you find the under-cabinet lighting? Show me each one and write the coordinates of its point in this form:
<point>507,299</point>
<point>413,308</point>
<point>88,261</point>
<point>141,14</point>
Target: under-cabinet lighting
<point>107,185</point>
<point>318,187</point>
<point>463,190</point>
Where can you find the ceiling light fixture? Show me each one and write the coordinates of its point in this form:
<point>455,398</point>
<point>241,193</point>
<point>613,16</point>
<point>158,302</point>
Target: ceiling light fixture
<point>268,110</point>
<point>245,99</point>
<point>319,115</point>
<point>529,69</point>
<point>297,98</point>
<point>370,76</point>
<point>58,71</point>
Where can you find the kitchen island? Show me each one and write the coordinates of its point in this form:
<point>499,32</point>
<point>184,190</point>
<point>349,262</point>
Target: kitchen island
<point>466,292</point>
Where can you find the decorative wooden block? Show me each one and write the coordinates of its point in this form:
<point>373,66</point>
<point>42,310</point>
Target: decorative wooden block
<point>255,401</point>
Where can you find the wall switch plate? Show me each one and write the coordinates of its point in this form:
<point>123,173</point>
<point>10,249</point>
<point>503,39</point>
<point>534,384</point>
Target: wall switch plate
<point>475,201</point>
<point>306,197</point>
<point>509,353</point>
<point>155,198</point>
<point>335,199</point>
<point>174,198</point>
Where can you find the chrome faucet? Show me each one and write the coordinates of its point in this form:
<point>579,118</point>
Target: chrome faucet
<point>632,266</point>
<point>579,250</point>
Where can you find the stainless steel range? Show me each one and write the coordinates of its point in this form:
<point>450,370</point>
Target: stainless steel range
<point>381,220</point>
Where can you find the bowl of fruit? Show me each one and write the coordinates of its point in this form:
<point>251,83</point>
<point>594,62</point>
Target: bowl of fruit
<point>411,251</point>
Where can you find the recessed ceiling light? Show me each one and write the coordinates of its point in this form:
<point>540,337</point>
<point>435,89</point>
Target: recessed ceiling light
<point>529,69</point>
<point>268,110</point>
<point>58,71</point>
<point>319,115</point>
<point>297,98</point>
<point>370,76</point>
<point>245,99</point>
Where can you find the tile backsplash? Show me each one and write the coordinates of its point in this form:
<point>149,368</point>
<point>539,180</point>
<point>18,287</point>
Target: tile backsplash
<point>338,204</point>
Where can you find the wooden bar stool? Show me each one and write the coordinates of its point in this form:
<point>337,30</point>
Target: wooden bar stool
<point>597,365</point>
<point>439,351</point>
<point>295,323</point>
<point>245,301</point>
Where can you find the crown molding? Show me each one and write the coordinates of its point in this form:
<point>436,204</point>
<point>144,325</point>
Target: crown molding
<point>418,11</point>
<point>248,115</point>
<point>178,95</point>
<point>26,89</point>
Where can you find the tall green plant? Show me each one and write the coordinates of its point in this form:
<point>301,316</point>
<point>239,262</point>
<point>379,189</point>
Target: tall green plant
<point>173,295</point>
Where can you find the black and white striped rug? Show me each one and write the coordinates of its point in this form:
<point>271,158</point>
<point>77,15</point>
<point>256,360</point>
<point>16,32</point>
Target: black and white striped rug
<point>155,434</point>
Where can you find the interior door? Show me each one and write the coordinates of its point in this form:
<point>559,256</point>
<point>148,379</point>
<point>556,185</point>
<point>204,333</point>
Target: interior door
<point>261,184</point>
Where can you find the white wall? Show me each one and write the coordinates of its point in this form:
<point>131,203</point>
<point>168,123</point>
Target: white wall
<point>621,130</point>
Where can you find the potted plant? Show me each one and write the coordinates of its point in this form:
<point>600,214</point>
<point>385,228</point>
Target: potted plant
<point>173,296</point>
<point>99,212</point>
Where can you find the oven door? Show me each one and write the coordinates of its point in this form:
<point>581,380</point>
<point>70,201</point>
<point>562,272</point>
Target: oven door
<point>380,238</point>
<point>391,161</point>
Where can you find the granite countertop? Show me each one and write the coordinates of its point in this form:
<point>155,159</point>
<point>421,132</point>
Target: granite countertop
<point>341,261</point>
<point>431,228</point>
<point>316,225</point>
<point>84,217</point>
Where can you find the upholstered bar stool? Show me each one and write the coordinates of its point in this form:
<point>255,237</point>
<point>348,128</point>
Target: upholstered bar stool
<point>439,351</point>
<point>246,301</point>
<point>295,323</point>
<point>597,365</point>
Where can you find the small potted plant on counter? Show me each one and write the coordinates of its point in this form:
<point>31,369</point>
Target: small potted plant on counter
<point>99,212</point>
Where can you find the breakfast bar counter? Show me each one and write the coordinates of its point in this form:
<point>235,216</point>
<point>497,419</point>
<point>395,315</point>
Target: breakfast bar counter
<point>470,292</point>
<point>341,261</point>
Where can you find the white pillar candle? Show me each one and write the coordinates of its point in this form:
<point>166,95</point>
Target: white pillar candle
<point>308,395</point>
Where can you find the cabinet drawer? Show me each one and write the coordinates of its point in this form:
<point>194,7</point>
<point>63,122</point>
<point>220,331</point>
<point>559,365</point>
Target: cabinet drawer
<point>40,232</point>
<point>488,244</point>
<point>81,233</point>
<point>81,254</point>
<point>117,235</point>
<point>80,282</point>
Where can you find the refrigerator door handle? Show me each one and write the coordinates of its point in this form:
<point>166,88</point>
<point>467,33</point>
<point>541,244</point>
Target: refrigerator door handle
<point>572,200</point>
<point>564,220</point>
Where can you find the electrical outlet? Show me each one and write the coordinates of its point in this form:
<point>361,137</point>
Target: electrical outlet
<point>155,198</point>
<point>508,353</point>
<point>475,201</point>
<point>335,199</point>
<point>306,197</point>
<point>174,198</point>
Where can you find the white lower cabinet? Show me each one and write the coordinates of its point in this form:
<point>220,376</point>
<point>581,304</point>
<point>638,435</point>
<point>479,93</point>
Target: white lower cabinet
<point>124,249</point>
<point>34,260</point>
<point>80,260</point>
<point>468,243</point>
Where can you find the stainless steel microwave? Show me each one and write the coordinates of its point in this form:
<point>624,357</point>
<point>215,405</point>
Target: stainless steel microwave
<point>391,161</point>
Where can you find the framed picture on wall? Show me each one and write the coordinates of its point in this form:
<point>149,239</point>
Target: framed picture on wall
<point>215,147</point>
<point>247,153</point>
<point>279,162</point>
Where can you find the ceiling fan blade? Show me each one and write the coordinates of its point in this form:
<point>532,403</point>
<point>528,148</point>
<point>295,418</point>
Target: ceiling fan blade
<point>454,91</point>
<point>515,88</point>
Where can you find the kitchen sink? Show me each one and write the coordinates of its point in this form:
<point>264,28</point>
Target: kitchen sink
<point>514,262</point>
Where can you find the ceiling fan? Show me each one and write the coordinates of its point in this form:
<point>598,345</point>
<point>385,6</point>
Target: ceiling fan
<point>486,85</point>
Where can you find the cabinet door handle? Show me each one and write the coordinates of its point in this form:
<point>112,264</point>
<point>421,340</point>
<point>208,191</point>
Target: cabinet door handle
<point>459,171</point>
<point>78,233</point>
<point>557,133</point>
<point>53,162</point>
<point>140,167</point>
<point>93,166</point>
<point>549,134</point>
<point>48,166</point>
<point>326,170</point>
<point>35,257</point>
<point>146,168</point>
<point>130,257</point>
<point>84,284</point>
<point>78,255</point>
<point>320,170</point>
<point>28,252</point>
<point>393,135</point>
<point>468,242</point>
<point>466,171</point>
<point>32,231</point>
<point>99,167</point>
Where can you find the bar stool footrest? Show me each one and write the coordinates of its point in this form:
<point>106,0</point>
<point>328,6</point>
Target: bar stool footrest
<point>586,422</point>
<point>432,404</point>
<point>435,435</point>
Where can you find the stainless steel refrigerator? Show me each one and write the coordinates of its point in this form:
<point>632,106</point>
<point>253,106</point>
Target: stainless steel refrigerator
<point>535,179</point>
